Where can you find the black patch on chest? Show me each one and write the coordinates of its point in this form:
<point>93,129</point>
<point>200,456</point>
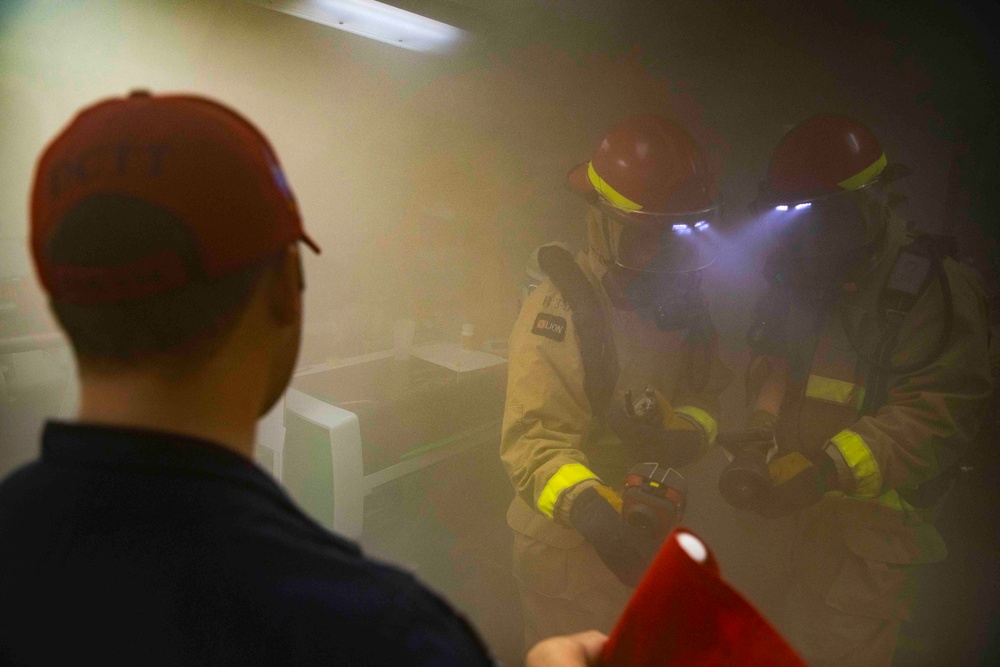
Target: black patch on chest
<point>550,326</point>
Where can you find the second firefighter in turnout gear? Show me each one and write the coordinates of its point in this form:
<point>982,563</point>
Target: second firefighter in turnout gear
<point>871,369</point>
<point>626,315</point>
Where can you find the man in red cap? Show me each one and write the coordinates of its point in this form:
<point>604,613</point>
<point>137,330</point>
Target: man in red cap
<point>166,236</point>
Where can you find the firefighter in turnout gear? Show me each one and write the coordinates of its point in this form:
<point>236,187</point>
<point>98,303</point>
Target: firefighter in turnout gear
<point>625,315</point>
<point>871,366</point>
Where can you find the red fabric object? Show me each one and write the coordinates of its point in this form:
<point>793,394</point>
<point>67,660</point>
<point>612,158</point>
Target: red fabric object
<point>683,613</point>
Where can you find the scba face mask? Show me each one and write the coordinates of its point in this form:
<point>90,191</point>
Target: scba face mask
<point>671,301</point>
<point>660,243</point>
<point>816,248</point>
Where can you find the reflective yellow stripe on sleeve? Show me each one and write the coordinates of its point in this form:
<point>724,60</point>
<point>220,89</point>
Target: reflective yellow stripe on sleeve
<point>569,475</point>
<point>861,461</point>
<point>701,418</point>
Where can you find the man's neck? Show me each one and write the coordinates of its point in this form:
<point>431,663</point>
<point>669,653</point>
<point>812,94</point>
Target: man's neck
<point>190,406</point>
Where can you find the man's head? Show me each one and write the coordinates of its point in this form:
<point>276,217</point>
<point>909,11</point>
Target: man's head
<point>156,222</point>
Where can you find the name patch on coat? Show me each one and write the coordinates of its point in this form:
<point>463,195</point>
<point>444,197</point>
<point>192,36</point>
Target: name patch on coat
<point>550,326</point>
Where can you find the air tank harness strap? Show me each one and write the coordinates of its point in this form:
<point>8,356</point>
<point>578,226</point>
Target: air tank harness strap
<point>916,266</point>
<point>597,350</point>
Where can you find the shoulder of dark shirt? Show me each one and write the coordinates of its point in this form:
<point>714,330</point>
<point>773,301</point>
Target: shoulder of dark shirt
<point>258,551</point>
<point>313,584</point>
<point>394,616</point>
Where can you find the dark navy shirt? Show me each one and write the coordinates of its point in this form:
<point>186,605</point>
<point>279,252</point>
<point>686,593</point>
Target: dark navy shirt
<point>144,548</point>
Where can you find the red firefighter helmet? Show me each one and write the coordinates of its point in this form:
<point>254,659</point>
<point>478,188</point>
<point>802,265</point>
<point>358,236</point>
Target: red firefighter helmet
<point>825,155</point>
<point>649,178</point>
<point>647,163</point>
<point>818,202</point>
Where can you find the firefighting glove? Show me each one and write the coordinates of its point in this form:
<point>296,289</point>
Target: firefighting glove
<point>626,550</point>
<point>798,481</point>
<point>669,439</point>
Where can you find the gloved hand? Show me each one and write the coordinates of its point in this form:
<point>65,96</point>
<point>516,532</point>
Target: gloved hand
<point>798,481</point>
<point>625,549</point>
<point>669,440</point>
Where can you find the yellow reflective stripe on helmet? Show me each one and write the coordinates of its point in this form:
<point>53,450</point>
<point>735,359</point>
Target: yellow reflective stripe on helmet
<point>701,418</point>
<point>569,475</point>
<point>862,463</point>
<point>836,391</point>
<point>616,198</point>
<point>864,176</point>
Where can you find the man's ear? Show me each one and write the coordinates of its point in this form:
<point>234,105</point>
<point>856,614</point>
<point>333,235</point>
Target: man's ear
<point>286,287</point>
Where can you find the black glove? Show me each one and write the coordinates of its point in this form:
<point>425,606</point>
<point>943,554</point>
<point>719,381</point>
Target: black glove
<point>646,443</point>
<point>625,549</point>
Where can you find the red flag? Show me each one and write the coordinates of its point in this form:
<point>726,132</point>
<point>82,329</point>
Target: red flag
<point>683,613</point>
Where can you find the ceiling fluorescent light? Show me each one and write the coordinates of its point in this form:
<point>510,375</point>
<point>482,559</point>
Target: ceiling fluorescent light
<point>375,20</point>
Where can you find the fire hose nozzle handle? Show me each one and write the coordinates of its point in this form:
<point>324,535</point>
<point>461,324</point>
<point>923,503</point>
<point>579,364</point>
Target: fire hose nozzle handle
<point>645,408</point>
<point>745,479</point>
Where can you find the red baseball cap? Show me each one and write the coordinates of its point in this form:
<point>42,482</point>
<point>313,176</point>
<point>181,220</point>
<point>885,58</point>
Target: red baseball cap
<point>199,160</point>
